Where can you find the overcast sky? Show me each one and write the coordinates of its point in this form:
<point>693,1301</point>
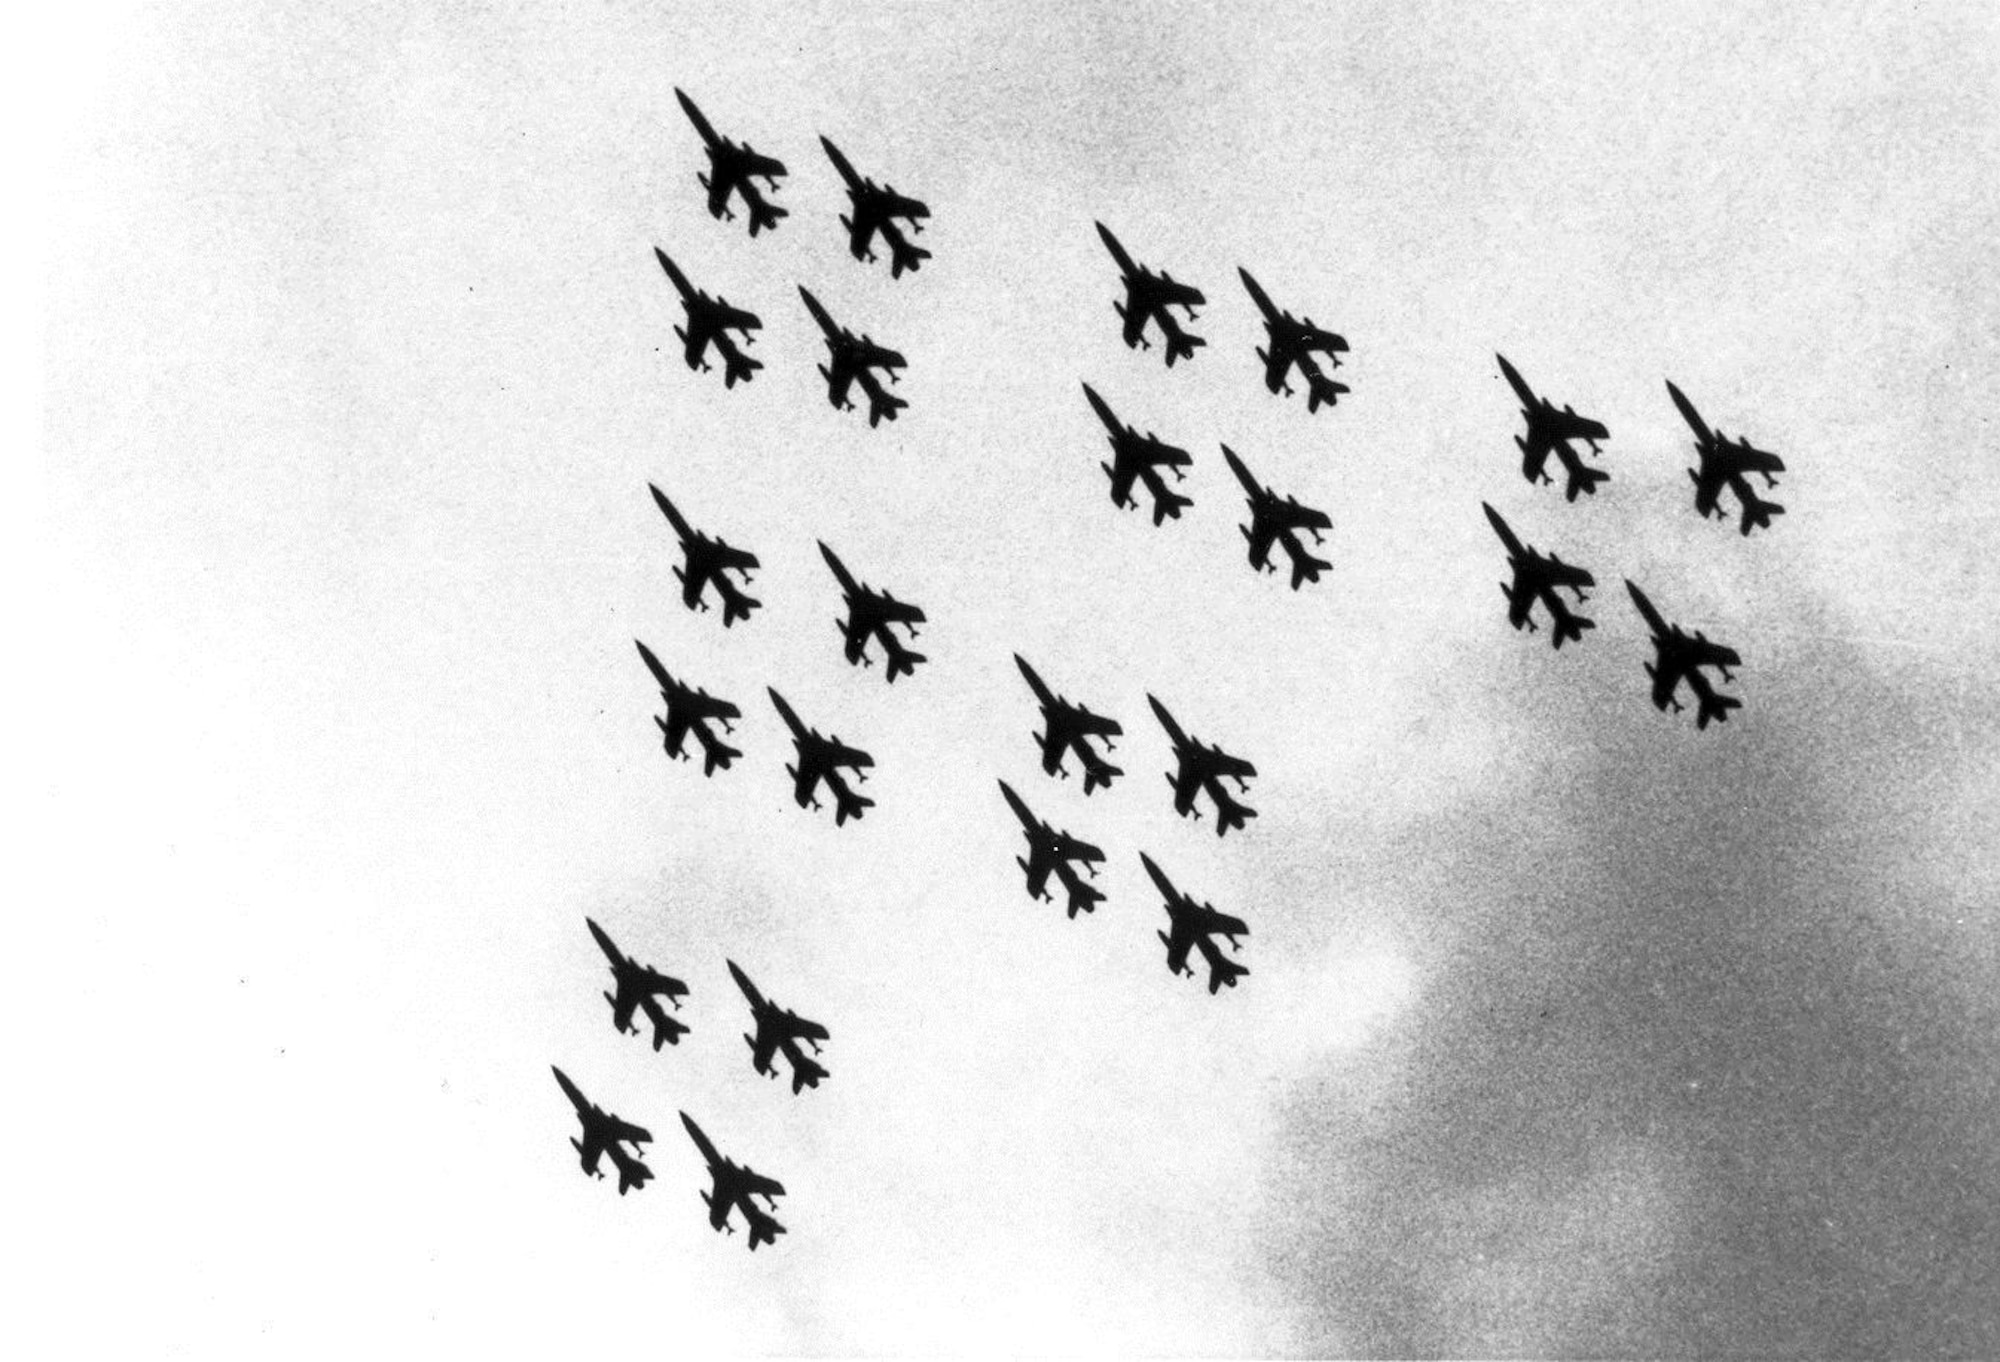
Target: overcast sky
<point>1569,1029</point>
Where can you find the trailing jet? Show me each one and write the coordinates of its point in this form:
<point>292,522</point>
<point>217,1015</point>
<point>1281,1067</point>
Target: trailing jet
<point>1535,575</point>
<point>1140,457</point>
<point>1294,342</point>
<point>821,759</point>
<point>1204,767</point>
<point>1150,295</point>
<point>1724,463</point>
<point>780,1030</point>
<point>709,561</point>
<point>873,612</point>
<point>853,360</point>
<point>605,1136</point>
<point>1680,658</point>
<point>709,322</point>
<point>876,208</point>
<point>689,710</point>
<point>638,987</point>
<point>735,1184</point>
<point>1278,522</point>
<point>1068,726</point>
<point>734,166</point>
<point>1195,927</point>
<point>1053,851</point>
<point>1550,432</point>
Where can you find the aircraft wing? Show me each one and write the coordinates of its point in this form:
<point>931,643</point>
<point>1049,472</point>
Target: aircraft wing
<point>872,356</point>
<point>1084,721</point>
<point>1745,457</point>
<point>840,754</point>
<point>1652,616</point>
<point>1300,517</point>
<point>1160,454</point>
<point>1222,763</point>
<point>1076,849</point>
<point>673,516</point>
<point>728,557</point>
<point>761,166</point>
<point>1222,924</point>
<point>1262,299</point>
<point>755,1183</point>
<point>714,707</point>
<point>687,290</point>
<point>1567,425</point>
<point>1707,652</point>
<point>732,318</point>
<point>701,124</point>
<point>802,1028</point>
<point>625,1130</point>
<point>1173,293</point>
<point>892,611</point>
<point>708,1153</point>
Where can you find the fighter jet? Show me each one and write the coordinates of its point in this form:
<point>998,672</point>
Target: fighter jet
<point>853,360</point>
<point>1278,522</point>
<point>1680,658</point>
<point>1204,767</point>
<point>1150,295</point>
<point>1069,726</point>
<point>735,1184</point>
<point>820,759</point>
<point>709,561</point>
<point>1054,851</point>
<point>709,322</point>
<point>780,1030</point>
<point>1136,456</point>
<point>1724,462</point>
<point>872,612</point>
<point>1293,342</point>
<point>1550,431</point>
<point>638,987</point>
<point>605,1136</point>
<point>689,710</point>
<point>1535,575</point>
<point>1195,926</point>
<point>876,208</point>
<point>734,166</point>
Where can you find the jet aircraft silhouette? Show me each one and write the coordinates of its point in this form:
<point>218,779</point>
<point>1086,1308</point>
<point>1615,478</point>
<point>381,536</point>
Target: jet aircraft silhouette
<point>779,1030</point>
<point>1294,342</point>
<point>734,166</point>
<point>1723,464</point>
<point>1140,457</point>
<point>1278,522</point>
<point>1195,927</point>
<point>1680,658</point>
<point>1535,575</point>
<point>1150,295</point>
<point>871,612</point>
<point>689,710</point>
<point>734,1186</point>
<point>1053,851</point>
<point>709,322</point>
<point>1069,727</point>
<point>638,988</point>
<point>709,561</point>
<point>1203,766</point>
<point>605,1136</point>
<point>821,759</point>
<point>853,360</point>
<point>1550,432</point>
<point>876,208</point>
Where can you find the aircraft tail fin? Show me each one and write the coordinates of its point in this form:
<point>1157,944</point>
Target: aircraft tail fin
<point>1223,971</point>
<point>667,1030</point>
<point>716,754</point>
<point>763,214</point>
<point>1230,814</point>
<point>1168,504</point>
<point>738,367</point>
<point>1320,388</point>
<point>1584,479</point>
<point>1096,773</point>
<point>904,256</point>
<point>806,1073</point>
<point>1306,568</point>
<point>1571,626</point>
<point>632,1172</point>
<point>735,605</point>
<point>847,804</point>
<point>1180,345</point>
<point>1716,707</point>
<point>902,662</point>
<point>1757,512</point>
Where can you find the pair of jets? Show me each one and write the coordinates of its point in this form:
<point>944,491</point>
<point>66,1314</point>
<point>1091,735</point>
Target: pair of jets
<point>1290,342</point>
<point>734,168</point>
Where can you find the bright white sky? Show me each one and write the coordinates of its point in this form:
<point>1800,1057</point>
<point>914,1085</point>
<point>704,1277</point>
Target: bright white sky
<point>1568,1028</point>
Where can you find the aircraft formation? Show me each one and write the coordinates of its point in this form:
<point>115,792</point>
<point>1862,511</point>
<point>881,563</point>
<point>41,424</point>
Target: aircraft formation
<point>1202,776</point>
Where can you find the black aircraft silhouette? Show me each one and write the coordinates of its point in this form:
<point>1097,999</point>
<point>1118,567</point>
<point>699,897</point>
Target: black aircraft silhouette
<point>780,1030</point>
<point>871,612</point>
<point>1723,463</point>
<point>1070,727</point>
<point>1195,926</point>
<point>1535,575</point>
<point>1053,851</point>
<point>820,759</point>
<point>709,322</point>
<point>1140,457</point>
<point>1204,767</point>
<point>1278,522</point>
<point>1293,342</point>
<point>734,1185</point>
<point>709,561</point>
<point>1150,295</point>
<point>733,166</point>
<point>1680,658</point>
<point>638,986</point>
<point>1550,432</point>
<point>853,360</point>
<point>605,1136</point>
<point>876,208</point>
<point>689,710</point>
